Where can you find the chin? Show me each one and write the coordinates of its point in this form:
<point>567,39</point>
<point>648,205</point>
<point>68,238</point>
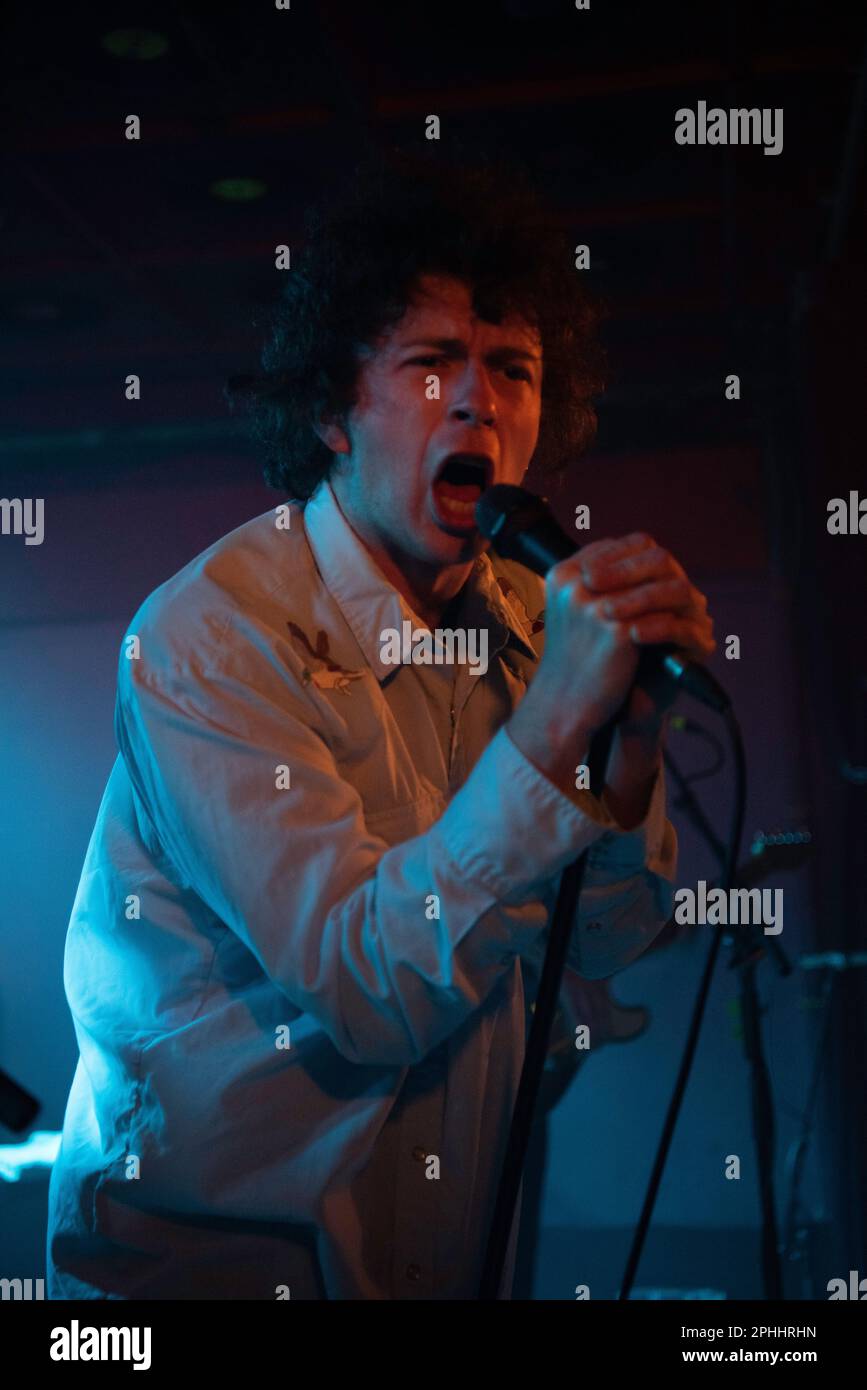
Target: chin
<point>453,545</point>
<point>443,539</point>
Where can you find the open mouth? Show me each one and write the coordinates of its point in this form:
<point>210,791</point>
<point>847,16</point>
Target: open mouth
<point>459,484</point>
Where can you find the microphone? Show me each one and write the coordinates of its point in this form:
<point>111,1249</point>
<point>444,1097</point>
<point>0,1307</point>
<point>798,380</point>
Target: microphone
<point>522,527</point>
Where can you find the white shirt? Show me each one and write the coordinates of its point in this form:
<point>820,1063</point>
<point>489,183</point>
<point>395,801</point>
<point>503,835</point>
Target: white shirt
<point>294,957</point>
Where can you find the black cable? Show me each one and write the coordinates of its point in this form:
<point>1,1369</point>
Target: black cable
<point>732,851</point>
<point>692,726</point>
<point>687,800</point>
<point>538,1041</point>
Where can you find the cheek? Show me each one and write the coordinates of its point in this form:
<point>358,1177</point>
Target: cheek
<point>525,434</point>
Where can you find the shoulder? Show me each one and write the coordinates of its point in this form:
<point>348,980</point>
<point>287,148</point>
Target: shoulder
<point>238,588</point>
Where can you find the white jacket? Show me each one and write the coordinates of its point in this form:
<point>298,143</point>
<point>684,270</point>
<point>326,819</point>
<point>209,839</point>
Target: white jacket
<point>293,961</point>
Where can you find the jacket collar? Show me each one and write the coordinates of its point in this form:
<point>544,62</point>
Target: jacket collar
<point>369,603</point>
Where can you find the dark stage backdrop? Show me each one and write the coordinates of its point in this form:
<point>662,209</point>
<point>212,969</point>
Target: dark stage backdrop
<point>711,261</point>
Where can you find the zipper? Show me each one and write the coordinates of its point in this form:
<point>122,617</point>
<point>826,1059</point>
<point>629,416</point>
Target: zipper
<point>452,744</point>
<point>454,725</point>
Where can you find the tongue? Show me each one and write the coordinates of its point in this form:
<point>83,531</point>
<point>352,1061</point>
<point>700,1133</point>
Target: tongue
<point>459,492</point>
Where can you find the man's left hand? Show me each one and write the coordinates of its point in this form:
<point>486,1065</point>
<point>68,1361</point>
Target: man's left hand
<point>650,589</point>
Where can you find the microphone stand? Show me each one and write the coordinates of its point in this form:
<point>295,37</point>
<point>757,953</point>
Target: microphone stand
<point>748,950</point>
<point>539,1039</point>
<point>520,527</point>
<point>540,1032</point>
<point>764,1129</point>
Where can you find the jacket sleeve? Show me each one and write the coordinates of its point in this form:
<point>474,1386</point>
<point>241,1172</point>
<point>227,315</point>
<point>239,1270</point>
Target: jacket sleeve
<point>390,949</point>
<point>627,894</point>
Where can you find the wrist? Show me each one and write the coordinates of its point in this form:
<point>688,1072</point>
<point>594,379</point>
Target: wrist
<point>646,734</point>
<point>633,767</point>
<point>555,749</point>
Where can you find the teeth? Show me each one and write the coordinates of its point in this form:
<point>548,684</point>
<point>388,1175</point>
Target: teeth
<point>456,506</point>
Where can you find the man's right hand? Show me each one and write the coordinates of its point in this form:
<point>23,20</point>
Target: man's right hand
<point>590,660</point>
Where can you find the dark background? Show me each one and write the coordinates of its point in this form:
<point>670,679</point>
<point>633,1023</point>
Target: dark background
<point>123,257</point>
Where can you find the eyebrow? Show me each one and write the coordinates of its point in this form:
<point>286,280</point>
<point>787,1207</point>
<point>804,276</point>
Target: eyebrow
<point>456,347</point>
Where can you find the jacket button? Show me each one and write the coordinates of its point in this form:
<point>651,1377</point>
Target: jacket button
<point>419,1154</point>
<point>413,1271</point>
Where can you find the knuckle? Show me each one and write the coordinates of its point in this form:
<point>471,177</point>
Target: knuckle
<point>573,590</point>
<point>561,581</point>
<point>566,597</point>
<point>595,550</point>
<point>560,572</point>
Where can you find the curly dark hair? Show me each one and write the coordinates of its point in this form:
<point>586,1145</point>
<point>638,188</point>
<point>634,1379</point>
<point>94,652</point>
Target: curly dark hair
<point>404,216</point>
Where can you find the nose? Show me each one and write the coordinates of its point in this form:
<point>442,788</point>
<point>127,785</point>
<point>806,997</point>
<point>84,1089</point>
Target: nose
<point>474,398</point>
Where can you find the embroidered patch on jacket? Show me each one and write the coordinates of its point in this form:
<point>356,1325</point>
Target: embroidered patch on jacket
<point>510,592</point>
<point>329,676</point>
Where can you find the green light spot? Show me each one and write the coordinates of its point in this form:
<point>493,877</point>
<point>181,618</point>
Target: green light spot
<point>142,44</point>
<point>238,190</point>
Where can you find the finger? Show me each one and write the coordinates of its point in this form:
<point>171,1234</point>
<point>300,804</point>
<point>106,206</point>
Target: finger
<point>695,638</point>
<point>612,548</point>
<point>610,572</point>
<point>661,595</point>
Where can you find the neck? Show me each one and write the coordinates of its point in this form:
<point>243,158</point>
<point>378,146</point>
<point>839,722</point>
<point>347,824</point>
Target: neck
<point>428,593</point>
<point>428,590</point>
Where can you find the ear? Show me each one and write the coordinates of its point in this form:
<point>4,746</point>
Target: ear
<point>333,436</point>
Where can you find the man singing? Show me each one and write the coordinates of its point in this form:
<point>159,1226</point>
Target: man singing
<point>294,958</point>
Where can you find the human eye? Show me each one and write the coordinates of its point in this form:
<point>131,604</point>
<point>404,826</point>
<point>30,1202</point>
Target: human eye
<point>523,373</point>
<point>426,361</point>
